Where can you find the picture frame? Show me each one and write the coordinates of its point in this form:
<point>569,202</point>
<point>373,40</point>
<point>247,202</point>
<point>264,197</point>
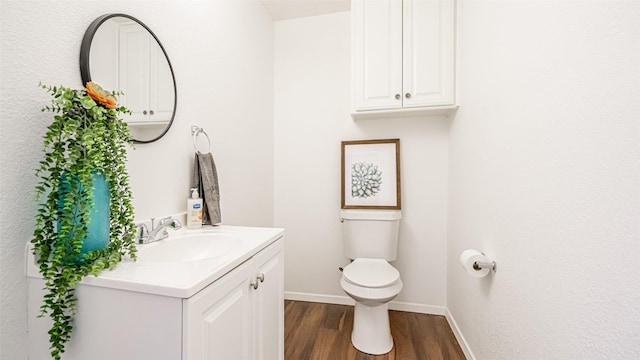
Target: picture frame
<point>370,174</point>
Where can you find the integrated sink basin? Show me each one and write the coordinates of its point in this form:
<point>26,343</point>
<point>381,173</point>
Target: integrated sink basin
<point>182,264</point>
<point>188,246</point>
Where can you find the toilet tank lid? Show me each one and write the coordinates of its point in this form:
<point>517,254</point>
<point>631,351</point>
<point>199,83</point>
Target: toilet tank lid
<point>361,214</point>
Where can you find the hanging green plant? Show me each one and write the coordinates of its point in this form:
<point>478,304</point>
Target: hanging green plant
<point>84,151</point>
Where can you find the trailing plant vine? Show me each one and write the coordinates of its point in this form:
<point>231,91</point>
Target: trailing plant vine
<point>87,136</point>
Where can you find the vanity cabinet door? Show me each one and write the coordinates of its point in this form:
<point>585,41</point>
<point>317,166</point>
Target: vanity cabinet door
<point>269,303</point>
<point>218,319</point>
<point>403,54</point>
<point>241,315</point>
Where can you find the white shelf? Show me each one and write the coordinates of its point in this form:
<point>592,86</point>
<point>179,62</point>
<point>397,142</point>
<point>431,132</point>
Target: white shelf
<point>405,112</point>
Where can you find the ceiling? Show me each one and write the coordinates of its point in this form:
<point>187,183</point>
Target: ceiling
<point>291,9</point>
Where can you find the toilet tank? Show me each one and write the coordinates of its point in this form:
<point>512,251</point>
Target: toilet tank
<point>370,233</point>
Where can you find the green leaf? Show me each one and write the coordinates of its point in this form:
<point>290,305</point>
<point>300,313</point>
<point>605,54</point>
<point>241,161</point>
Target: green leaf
<point>87,102</point>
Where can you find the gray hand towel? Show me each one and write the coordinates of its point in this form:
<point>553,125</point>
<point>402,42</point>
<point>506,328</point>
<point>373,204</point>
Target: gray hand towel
<point>205,178</point>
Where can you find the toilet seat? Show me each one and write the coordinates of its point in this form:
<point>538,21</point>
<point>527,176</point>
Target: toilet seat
<point>371,273</point>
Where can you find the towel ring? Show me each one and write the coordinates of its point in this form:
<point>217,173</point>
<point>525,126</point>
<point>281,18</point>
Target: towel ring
<point>195,131</point>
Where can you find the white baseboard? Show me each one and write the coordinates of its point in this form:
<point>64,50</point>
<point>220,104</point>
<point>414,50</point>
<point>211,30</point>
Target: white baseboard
<point>416,308</point>
<point>319,298</point>
<point>345,300</point>
<point>456,332</point>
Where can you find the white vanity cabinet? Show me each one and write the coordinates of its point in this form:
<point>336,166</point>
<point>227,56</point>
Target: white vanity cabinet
<point>402,56</point>
<point>240,316</point>
<point>226,307</point>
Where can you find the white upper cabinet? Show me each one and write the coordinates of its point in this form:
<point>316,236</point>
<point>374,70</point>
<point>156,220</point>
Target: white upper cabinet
<point>144,77</point>
<point>403,57</point>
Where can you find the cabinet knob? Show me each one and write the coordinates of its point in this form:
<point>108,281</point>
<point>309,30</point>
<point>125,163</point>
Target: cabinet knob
<point>260,277</point>
<point>144,112</point>
<point>150,112</point>
<point>397,96</point>
<point>407,95</point>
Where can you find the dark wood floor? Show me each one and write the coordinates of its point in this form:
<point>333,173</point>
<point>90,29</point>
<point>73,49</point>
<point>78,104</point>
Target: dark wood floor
<point>316,331</point>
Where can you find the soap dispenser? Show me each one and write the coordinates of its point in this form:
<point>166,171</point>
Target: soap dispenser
<point>194,210</point>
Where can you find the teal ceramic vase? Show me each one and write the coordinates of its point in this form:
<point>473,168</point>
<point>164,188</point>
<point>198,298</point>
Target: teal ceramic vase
<point>97,237</point>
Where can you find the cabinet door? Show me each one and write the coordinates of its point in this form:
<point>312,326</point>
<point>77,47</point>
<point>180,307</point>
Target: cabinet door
<point>218,319</point>
<point>134,71</point>
<point>428,53</point>
<point>269,303</point>
<point>161,93</point>
<point>377,55</point>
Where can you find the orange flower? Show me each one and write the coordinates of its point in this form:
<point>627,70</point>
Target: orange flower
<point>100,95</point>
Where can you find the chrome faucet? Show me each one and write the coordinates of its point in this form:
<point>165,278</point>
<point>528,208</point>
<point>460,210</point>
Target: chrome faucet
<point>158,232</point>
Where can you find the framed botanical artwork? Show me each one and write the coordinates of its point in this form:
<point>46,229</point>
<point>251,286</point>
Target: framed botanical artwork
<point>371,174</point>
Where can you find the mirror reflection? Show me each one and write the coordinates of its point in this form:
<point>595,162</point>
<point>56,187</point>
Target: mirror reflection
<point>120,53</point>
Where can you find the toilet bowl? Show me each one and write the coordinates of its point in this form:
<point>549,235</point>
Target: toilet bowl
<point>372,283</point>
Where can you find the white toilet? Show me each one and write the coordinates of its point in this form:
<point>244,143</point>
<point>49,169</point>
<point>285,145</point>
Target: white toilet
<point>370,239</point>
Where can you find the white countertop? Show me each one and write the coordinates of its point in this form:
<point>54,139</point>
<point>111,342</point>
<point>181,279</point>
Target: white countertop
<point>177,279</point>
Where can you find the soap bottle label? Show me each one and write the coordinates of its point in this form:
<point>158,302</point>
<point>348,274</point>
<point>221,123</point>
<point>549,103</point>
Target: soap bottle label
<point>194,214</point>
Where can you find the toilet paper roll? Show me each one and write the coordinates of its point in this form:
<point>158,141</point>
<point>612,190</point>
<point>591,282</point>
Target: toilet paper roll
<point>469,257</point>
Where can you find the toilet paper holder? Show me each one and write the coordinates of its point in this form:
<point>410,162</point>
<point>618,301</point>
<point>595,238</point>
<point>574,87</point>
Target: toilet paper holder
<point>479,265</point>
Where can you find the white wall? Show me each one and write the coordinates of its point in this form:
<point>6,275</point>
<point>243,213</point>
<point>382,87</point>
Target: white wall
<point>222,54</point>
<point>544,177</point>
<point>312,106</point>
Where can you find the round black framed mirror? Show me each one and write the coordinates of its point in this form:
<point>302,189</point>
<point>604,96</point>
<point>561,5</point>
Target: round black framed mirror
<point>121,53</point>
